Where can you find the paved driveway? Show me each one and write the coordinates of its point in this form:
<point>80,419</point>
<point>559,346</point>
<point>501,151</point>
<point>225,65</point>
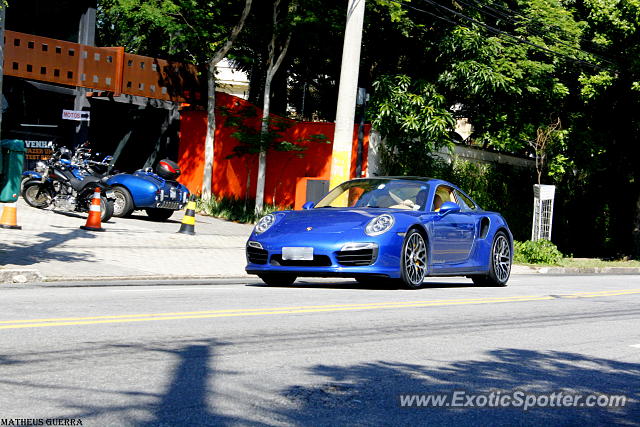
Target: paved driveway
<point>52,242</point>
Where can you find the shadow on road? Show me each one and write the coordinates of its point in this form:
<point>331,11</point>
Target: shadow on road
<point>187,399</point>
<point>40,249</point>
<point>363,394</point>
<point>383,284</point>
<point>368,394</point>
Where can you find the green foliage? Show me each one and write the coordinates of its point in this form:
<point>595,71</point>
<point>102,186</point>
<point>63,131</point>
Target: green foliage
<point>183,30</point>
<point>412,119</point>
<point>536,252</point>
<point>233,209</point>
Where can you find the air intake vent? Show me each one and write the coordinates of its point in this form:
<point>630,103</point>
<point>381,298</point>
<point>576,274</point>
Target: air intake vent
<point>256,255</point>
<point>359,257</point>
<point>317,261</point>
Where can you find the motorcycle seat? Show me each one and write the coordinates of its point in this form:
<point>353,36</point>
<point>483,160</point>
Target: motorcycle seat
<point>78,184</point>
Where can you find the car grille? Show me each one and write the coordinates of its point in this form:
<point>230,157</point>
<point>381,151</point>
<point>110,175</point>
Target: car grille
<point>317,261</point>
<point>359,257</point>
<point>169,205</point>
<point>256,255</point>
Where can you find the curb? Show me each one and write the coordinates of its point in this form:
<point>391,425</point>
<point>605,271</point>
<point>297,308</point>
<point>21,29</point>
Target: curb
<point>53,279</point>
<point>22,276</point>
<point>15,275</point>
<point>587,270</point>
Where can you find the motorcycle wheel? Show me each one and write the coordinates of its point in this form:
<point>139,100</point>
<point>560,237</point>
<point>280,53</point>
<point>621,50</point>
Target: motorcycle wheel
<point>158,214</point>
<point>123,205</point>
<point>23,182</point>
<point>106,209</point>
<point>36,195</point>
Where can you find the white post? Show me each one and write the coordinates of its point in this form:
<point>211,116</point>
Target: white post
<point>543,197</point>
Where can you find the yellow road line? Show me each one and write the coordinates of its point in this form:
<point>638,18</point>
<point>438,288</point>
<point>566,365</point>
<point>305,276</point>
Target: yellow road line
<point>70,321</point>
<point>302,307</point>
<point>258,313</point>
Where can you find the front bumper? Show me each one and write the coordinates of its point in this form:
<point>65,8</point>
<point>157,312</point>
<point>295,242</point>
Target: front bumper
<point>330,259</point>
<point>171,197</point>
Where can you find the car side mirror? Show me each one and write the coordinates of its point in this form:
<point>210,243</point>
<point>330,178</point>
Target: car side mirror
<point>449,207</point>
<point>308,205</point>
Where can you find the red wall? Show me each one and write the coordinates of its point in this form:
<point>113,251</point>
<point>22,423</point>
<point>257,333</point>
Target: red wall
<point>283,168</point>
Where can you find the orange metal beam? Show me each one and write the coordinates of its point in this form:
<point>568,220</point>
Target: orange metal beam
<point>107,69</point>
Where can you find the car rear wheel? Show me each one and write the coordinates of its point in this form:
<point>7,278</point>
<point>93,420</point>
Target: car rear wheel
<point>499,263</point>
<point>277,279</point>
<point>414,260</point>
<point>123,203</point>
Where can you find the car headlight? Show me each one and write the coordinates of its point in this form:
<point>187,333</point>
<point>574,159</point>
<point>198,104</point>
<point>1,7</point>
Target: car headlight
<point>380,224</point>
<point>265,223</point>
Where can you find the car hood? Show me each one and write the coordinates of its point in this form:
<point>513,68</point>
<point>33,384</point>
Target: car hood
<point>325,220</point>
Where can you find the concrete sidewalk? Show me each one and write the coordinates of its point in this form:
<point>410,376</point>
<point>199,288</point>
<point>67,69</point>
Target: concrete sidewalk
<point>53,247</point>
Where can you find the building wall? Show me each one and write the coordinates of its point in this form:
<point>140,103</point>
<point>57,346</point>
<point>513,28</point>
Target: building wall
<point>236,176</point>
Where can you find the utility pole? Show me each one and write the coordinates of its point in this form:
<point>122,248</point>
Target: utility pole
<point>345,113</point>
<point>86,36</point>
<point>2,16</point>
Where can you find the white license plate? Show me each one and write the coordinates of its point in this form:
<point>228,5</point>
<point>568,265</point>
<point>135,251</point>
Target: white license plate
<point>297,254</point>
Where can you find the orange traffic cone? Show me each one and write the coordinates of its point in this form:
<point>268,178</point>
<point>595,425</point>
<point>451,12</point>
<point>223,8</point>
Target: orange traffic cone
<point>93,221</point>
<point>9,216</point>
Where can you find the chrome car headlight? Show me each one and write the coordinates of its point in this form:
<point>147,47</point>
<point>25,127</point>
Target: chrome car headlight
<point>380,224</point>
<point>265,223</point>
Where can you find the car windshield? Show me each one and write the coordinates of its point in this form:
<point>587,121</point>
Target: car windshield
<point>377,193</point>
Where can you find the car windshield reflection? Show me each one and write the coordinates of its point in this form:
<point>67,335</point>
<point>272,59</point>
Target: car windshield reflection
<point>377,193</point>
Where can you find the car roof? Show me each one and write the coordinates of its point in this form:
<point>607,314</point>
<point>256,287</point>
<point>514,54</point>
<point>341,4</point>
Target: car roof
<point>409,178</point>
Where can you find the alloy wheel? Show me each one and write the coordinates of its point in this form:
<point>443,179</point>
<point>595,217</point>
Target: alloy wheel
<point>501,258</point>
<point>415,259</point>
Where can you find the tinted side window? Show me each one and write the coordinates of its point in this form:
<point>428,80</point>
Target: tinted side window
<point>465,202</point>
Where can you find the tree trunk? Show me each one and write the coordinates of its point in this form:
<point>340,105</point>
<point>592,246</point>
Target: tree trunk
<point>211,101</point>
<point>211,130</point>
<point>272,67</point>
<point>262,158</point>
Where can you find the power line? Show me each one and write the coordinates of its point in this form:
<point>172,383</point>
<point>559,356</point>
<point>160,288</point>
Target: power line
<point>527,26</point>
<point>496,31</point>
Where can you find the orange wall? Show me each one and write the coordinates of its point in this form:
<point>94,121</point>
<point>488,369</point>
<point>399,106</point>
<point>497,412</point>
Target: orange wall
<point>230,176</point>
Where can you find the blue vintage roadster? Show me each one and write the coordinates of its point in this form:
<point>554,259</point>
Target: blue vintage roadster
<point>385,227</point>
<point>158,193</point>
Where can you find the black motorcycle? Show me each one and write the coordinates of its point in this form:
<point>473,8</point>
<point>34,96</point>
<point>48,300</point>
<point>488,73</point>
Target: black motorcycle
<point>62,182</point>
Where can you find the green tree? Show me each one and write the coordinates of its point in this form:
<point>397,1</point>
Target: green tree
<point>413,120</point>
<point>198,31</point>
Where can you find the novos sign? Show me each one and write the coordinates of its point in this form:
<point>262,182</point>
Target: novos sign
<point>77,115</point>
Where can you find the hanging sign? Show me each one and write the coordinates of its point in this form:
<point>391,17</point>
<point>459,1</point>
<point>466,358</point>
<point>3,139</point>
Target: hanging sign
<point>77,115</point>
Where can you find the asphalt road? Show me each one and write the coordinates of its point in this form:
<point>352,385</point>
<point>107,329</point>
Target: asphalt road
<point>322,353</point>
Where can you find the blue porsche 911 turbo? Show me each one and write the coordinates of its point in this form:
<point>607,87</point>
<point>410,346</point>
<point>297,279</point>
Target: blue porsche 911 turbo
<point>403,228</point>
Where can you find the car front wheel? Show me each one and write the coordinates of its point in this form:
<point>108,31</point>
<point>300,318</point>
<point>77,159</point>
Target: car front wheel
<point>123,204</point>
<point>414,260</point>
